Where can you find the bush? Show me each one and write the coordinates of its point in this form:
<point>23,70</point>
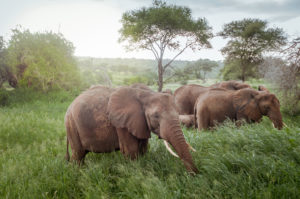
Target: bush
<point>135,79</point>
<point>42,61</point>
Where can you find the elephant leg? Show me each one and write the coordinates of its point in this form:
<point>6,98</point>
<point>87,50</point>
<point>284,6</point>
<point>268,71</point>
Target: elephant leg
<point>129,145</point>
<point>78,156</point>
<point>203,119</point>
<point>78,153</point>
<point>143,146</point>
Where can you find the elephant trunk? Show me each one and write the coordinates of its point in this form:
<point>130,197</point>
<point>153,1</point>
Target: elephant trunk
<point>276,118</point>
<point>172,133</point>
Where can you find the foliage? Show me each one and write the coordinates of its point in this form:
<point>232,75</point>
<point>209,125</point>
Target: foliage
<point>200,68</point>
<point>284,73</point>
<point>114,71</point>
<point>162,27</point>
<point>5,72</point>
<point>135,79</point>
<point>42,61</point>
<point>243,162</point>
<point>249,39</point>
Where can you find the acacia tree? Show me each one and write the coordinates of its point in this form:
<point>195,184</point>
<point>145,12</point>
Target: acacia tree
<point>248,40</point>
<point>163,27</point>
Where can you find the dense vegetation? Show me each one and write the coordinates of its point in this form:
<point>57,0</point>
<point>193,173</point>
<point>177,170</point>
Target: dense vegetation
<point>253,161</point>
<point>42,61</point>
<point>128,71</point>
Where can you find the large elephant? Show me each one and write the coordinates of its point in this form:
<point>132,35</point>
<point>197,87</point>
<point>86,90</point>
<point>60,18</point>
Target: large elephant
<point>186,96</point>
<point>103,119</point>
<point>218,104</point>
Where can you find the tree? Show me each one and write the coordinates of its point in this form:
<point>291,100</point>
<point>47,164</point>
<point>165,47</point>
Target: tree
<point>163,27</point>
<point>200,68</point>
<point>42,60</point>
<point>248,40</point>
<point>5,72</point>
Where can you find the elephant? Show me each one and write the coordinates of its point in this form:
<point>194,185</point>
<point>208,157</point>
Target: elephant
<point>186,96</point>
<point>141,86</point>
<point>218,104</point>
<point>103,119</point>
<point>231,85</point>
<point>187,120</point>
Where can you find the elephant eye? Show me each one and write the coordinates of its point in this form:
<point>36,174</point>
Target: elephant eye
<point>156,115</point>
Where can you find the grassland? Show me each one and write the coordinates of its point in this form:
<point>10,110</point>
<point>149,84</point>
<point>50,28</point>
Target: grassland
<point>253,161</point>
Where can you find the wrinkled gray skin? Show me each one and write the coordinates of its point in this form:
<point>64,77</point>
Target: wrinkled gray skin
<point>102,120</point>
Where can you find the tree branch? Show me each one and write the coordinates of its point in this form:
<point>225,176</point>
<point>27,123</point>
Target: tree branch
<point>165,66</point>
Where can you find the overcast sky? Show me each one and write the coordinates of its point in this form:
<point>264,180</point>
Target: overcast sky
<point>92,25</point>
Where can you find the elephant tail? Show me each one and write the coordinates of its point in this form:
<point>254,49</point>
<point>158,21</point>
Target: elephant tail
<point>67,153</point>
<point>195,117</point>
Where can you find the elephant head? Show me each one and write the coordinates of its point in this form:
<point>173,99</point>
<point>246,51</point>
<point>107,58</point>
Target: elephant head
<point>141,111</point>
<point>252,105</point>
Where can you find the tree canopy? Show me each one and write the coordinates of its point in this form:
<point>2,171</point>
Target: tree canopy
<point>41,60</point>
<point>200,68</point>
<point>248,40</point>
<point>164,27</point>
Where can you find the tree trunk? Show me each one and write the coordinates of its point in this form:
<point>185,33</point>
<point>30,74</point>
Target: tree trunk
<point>160,76</point>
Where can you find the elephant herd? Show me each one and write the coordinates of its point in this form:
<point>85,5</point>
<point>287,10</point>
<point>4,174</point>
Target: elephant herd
<point>103,119</point>
<point>204,107</point>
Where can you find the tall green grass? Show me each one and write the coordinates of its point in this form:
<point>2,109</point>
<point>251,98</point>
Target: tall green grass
<point>253,161</point>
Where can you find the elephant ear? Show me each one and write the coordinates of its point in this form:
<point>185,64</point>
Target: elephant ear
<point>245,104</point>
<point>125,110</point>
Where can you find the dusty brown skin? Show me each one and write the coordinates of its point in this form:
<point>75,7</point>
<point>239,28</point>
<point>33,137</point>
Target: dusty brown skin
<point>103,120</point>
<point>218,104</point>
<point>187,120</point>
<point>263,88</point>
<point>186,96</point>
<point>231,85</point>
<point>169,91</point>
<point>141,86</point>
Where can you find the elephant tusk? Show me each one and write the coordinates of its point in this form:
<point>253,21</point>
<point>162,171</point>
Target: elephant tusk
<point>191,148</point>
<point>169,149</point>
<point>284,124</point>
<point>273,125</point>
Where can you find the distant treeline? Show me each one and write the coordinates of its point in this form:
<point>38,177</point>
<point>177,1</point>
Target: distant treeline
<point>122,71</point>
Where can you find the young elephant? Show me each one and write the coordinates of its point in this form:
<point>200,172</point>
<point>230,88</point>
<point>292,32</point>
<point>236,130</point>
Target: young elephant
<point>218,104</point>
<point>186,96</point>
<point>102,120</point>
